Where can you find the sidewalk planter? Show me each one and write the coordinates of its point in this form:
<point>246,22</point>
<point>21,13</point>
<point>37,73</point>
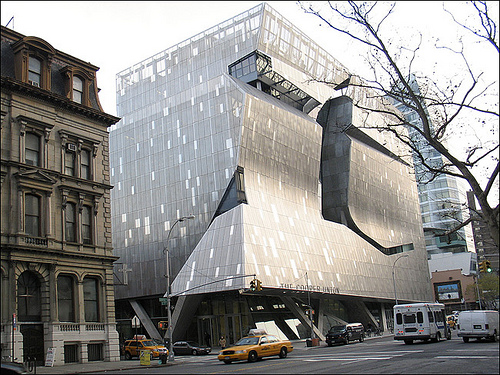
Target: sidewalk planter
<point>312,342</point>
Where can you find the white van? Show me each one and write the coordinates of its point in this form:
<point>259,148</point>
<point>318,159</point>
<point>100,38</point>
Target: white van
<point>478,324</point>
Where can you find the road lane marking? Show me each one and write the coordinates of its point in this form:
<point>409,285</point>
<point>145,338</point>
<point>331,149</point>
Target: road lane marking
<point>246,368</point>
<point>463,357</point>
<point>354,356</point>
<point>347,359</point>
<point>474,350</point>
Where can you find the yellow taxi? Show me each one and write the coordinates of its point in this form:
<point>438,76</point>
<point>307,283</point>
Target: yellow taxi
<point>133,347</point>
<point>254,346</point>
<point>451,320</point>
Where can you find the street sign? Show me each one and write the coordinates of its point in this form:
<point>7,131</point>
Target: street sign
<point>136,323</point>
<point>164,300</point>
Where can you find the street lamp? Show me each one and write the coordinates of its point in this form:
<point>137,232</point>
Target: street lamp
<point>310,307</point>
<point>167,276</point>
<point>394,278</point>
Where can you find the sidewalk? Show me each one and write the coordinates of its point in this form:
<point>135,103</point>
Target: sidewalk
<point>89,367</point>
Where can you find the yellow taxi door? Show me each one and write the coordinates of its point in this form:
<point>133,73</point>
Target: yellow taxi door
<point>275,344</point>
<point>264,347</point>
<point>138,348</point>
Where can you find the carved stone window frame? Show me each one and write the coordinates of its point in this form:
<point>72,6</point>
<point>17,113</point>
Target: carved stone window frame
<point>36,182</point>
<point>71,142</point>
<point>41,129</point>
<point>87,77</point>
<point>33,47</point>
<point>80,199</point>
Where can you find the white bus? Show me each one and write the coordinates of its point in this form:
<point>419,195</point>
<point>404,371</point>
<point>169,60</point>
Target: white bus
<point>420,321</point>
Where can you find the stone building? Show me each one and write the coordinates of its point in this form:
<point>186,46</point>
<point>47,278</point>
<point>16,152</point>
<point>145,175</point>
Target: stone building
<point>56,250</point>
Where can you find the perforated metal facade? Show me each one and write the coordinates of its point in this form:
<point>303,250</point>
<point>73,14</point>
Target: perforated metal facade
<point>189,129</point>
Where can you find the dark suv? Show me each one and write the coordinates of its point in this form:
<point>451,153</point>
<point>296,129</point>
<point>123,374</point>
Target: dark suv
<point>345,333</point>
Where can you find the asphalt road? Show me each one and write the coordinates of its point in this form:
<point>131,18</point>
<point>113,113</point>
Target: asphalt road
<point>379,356</point>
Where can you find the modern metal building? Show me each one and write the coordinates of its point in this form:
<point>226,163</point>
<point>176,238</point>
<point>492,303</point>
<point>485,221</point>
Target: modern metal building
<point>229,127</point>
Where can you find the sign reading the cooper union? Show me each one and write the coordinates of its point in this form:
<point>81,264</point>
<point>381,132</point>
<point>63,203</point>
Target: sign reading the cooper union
<point>312,288</point>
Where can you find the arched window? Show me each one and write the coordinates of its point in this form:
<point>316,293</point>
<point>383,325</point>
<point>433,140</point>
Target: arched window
<point>91,299</point>
<point>35,71</point>
<point>32,149</point>
<point>65,298</point>
<point>70,222</point>
<point>32,211</point>
<point>77,89</point>
<point>29,307</point>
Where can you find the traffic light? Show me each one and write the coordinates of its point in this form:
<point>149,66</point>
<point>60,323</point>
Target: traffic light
<point>487,265</point>
<point>163,325</point>
<point>253,285</point>
<point>482,266</point>
<point>258,285</point>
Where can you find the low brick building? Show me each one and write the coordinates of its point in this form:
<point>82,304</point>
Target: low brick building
<point>451,288</point>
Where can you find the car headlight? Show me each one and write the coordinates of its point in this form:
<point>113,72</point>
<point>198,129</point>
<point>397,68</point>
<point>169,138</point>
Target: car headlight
<point>240,351</point>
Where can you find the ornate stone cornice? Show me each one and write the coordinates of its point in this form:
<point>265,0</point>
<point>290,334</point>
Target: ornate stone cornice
<point>60,101</point>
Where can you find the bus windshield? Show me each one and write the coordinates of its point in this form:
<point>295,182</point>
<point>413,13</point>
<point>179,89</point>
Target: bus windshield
<point>410,318</point>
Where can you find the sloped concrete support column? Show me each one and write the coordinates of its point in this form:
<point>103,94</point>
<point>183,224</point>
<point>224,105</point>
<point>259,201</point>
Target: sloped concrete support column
<point>358,312</point>
<point>185,309</point>
<point>285,328</point>
<point>145,320</point>
<point>299,314</point>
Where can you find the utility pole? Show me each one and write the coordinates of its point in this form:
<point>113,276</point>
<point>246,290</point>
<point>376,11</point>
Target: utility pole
<point>476,281</point>
<point>167,276</point>
<point>310,307</point>
<point>394,277</point>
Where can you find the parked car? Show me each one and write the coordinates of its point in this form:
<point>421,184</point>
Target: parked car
<point>133,347</point>
<point>255,346</point>
<point>345,334</point>
<point>478,324</point>
<point>13,368</point>
<point>189,347</point>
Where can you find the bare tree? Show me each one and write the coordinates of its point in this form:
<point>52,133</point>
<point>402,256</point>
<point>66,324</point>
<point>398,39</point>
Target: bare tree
<point>443,108</point>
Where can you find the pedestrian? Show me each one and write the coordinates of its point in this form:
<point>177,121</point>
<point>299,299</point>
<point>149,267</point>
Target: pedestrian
<point>369,330</point>
<point>207,339</point>
<point>222,342</point>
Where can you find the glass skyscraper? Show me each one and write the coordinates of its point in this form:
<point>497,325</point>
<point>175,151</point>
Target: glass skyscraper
<point>284,187</point>
<point>441,197</point>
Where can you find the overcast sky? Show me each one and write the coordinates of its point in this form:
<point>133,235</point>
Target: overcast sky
<point>115,35</point>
